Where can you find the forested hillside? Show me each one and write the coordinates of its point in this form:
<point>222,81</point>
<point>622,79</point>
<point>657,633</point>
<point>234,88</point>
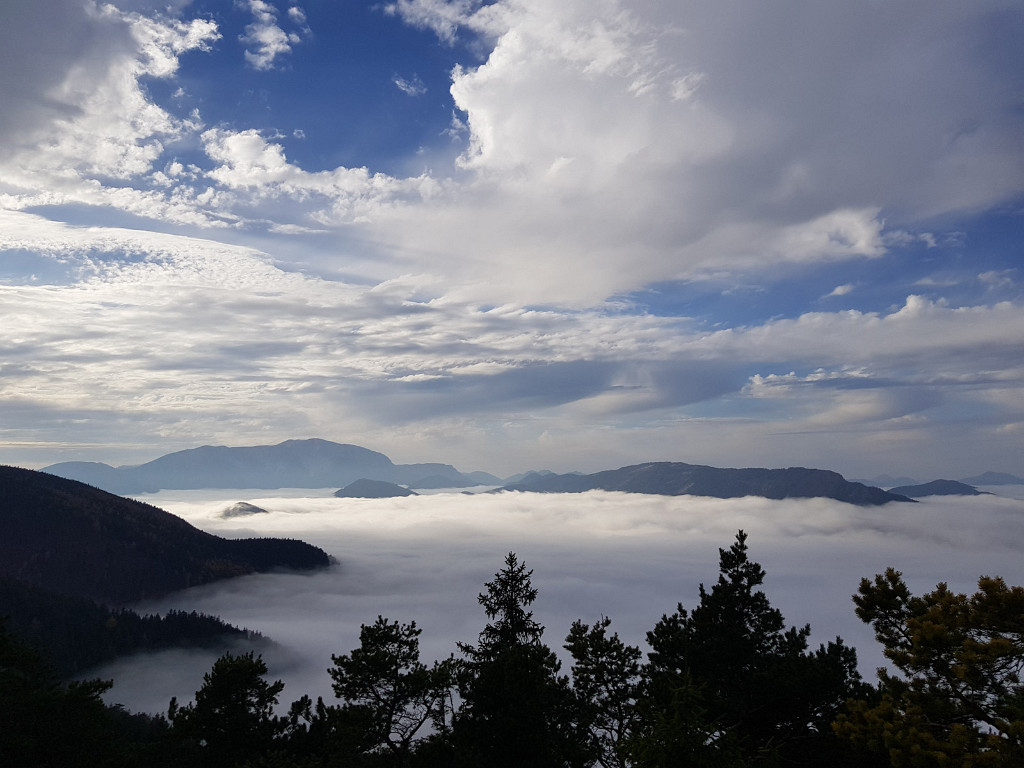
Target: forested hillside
<point>71,555</point>
<point>73,539</point>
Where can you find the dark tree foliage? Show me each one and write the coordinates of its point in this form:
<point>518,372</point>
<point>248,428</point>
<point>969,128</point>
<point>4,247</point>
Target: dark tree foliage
<point>322,735</point>
<point>606,684</point>
<point>958,698</point>
<point>755,683</point>
<point>516,709</point>
<point>46,723</point>
<point>232,719</point>
<point>70,538</point>
<point>726,685</point>
<point>384,682</point>
<point>76,634</point>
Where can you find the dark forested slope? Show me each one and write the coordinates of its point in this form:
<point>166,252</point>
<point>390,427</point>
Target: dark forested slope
<point>66,537</point>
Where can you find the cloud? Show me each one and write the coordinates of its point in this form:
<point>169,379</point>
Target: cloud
<point>840,290</point>
<point>629,557</point>
<point>609,145</point>
<point>481,300</point>
<point>580,145</point>
<point>413,87</point>
<point>87,118</point>
<point>266,40</point>
<point>158,334</point>
<point>256,170</point>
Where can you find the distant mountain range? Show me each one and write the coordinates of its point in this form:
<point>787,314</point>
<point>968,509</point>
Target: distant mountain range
<point>986,478</point>
<point>323,464</point>
<point>676,479</point>
<point>937,488</point>
<point>291,464</point>
<point>994,478</point>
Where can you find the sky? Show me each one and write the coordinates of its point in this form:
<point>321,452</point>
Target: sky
<point>516,234</point>
<point>629,557</point>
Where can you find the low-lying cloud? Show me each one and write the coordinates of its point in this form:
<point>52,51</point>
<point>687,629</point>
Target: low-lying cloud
<point>630,557</point>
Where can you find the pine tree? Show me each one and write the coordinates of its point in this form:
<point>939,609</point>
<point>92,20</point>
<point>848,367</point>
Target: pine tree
<point>385,679</point>
<point>232,718</point>
<point>761,690</point>
<point>516,709</point>
<point>957,697</point>
<point>606,683</point>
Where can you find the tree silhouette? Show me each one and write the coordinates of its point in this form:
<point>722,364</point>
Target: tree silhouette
<point>759,687</point>
<point>958,698</point>
<point>232,718</point>
<point>397,693</point>
<point>516,709</point>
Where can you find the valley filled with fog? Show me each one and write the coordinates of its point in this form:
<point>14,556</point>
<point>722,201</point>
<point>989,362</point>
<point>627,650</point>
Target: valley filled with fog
<point>631,557</point>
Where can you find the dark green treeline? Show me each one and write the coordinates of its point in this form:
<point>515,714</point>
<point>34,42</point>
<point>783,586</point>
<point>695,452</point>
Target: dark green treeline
<point>724,685</point>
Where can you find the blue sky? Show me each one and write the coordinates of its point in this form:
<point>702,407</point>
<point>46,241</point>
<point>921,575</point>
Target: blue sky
<point>516,234</point>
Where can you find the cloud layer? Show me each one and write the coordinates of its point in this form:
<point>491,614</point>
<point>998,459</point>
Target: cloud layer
<point>165,281</point>
<point>628,557</point>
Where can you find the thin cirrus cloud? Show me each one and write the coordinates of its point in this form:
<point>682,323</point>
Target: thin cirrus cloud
<point>489,298</point>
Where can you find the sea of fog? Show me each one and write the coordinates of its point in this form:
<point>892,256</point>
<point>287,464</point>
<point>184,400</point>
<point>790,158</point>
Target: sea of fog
<point>627,556</point>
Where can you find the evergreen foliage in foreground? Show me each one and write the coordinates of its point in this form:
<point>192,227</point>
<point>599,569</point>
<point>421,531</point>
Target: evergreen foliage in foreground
<point>725,685</point>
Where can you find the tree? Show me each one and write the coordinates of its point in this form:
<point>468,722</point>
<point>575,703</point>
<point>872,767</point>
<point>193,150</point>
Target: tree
<point>385,678</point>
<point>516,709</point>
<point>45,722</point>
<point>232,719</point>
<point>957,698</point>
<point>606,682</point>
<point>758,687</point>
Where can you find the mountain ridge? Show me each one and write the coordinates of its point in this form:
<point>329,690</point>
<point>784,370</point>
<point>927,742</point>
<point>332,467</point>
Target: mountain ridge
<point>319,463</point>
<point>311,463</point>
<point>677,478</point>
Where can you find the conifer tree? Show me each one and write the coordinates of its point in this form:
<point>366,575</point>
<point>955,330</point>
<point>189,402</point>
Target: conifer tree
<point>516,709</point>
<point>398,694</point>
<point>760,689</point>
<point>232,718</point>
<point>606,683</point>
<point>956,697</point>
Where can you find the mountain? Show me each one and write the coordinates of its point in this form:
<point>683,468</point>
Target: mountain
<point>243,509</point>
<point>372,489</point>
<point>441,481</point>
<point>530,476</point>
<point>994,478</point>
<point>676,479</point>
<point>292,464</point>
<point>938,488</point>
<point>70,538</point>
<point>886,481</point>
<point>483,478</point>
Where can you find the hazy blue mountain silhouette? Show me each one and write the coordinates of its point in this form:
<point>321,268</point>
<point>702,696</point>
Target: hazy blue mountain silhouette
<point>676,479</point>
<point>885,481</point>
<point>994,478</point>
<point>364,488</point>
<point>310,463</point>
<point>937,488</point>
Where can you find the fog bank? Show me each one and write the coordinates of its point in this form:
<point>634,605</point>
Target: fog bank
<point>628,556</point>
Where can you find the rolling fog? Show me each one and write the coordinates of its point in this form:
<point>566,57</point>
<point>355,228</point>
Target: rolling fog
<point>628,556</point>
